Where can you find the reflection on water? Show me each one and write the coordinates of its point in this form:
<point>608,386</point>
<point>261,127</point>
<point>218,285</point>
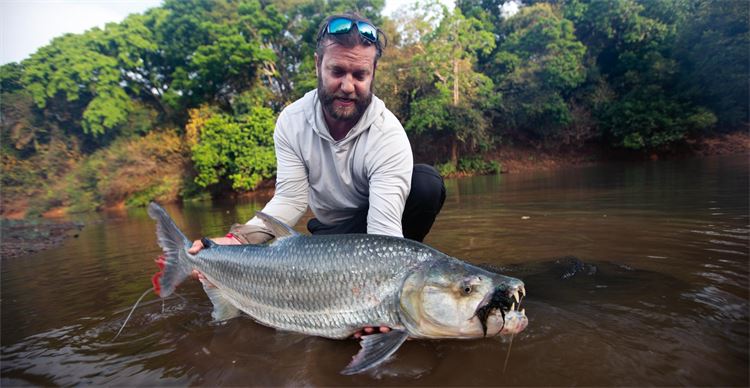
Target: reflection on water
<point>666,305</point>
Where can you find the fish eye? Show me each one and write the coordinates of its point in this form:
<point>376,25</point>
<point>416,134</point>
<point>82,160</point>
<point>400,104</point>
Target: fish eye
<point>468,285</point>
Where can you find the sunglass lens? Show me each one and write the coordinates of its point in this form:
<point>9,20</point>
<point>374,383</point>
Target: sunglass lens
<point>339,26</point>
<point>368,31</point>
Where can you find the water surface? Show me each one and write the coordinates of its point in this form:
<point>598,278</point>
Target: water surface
<point>662,300</point>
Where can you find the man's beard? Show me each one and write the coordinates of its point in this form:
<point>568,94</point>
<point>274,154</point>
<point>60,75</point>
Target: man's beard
<point>327,99</point>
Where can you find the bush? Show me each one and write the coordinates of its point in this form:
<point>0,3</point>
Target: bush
<point>446,169</point>
<point>238,150</point>
<point>647,120</point>
<point>134,171</point>
<point>28,181</point>
<point>477,165</point>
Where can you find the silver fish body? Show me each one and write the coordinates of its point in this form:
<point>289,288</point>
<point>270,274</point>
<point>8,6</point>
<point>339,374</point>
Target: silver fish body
<point>333,286</point>
<point>329,286</point>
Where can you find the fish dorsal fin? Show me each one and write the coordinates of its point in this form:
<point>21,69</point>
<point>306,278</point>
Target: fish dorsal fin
<point>279,229</point>
<point>376,348</point>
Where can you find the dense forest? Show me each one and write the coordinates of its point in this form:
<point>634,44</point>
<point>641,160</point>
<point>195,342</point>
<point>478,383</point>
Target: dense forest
<point>180,102</point>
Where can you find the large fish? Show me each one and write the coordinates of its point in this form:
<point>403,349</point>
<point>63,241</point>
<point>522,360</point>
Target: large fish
<point>333,286</point>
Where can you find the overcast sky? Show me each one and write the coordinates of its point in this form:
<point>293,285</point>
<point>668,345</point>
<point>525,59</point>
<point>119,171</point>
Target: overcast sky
<point>26,25</point>
<point>30,24</point>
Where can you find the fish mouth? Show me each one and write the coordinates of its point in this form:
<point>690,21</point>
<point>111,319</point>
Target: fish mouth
<point>507,301</point>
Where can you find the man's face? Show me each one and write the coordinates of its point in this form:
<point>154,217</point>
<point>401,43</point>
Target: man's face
<point>345,78</point>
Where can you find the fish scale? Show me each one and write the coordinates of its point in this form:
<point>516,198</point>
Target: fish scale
<point>322,291</point>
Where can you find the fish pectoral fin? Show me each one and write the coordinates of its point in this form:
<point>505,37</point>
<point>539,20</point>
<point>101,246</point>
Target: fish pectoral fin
<point>376,348</point>
<point>223,309</point>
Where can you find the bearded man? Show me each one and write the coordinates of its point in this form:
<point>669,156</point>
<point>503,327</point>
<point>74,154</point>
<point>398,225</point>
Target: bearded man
<point>341,152</point>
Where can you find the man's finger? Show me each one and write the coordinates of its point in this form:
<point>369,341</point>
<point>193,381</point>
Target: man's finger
<point>197,246</point>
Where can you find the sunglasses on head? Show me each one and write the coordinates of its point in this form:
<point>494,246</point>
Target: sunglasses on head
<point>344,25</point>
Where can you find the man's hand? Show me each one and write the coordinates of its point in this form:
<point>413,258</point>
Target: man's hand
<point>371,330</point>
<point>198,245</point>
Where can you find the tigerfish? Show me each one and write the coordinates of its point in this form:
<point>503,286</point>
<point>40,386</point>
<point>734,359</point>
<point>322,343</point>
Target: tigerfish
<point>334,285</point>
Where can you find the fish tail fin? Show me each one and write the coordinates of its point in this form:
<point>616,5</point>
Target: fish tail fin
<point>174,266</point>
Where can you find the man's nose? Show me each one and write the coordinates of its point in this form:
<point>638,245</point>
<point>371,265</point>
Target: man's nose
<point>347,84</point>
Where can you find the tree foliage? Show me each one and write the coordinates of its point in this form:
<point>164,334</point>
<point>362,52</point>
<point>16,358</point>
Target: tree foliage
<point>537,66</point>
<point>235,147</point>
<point>711,49</point>
<point>631,74</point>
<point>450,94</point>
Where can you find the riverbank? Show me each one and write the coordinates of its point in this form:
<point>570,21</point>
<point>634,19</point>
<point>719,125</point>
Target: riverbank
<point>524,159</point>
<point>24,237</point>
<point>20,237</point>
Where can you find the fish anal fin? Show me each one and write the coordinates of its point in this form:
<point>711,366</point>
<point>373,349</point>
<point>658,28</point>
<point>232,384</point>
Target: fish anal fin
<point>278,229</point>
<point>376,348</point>
<point>223,309</point>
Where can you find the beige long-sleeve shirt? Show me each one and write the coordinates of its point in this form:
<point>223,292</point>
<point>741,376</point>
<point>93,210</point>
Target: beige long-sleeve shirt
<point>370,167</point>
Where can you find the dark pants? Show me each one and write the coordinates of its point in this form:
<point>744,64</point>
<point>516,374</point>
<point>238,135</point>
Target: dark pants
<point>422,206</point>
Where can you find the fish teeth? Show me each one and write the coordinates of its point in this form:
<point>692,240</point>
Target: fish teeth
<point>523,291</point>
<point>523,312</point>
<point>515,296</point>
<point>513,307</point>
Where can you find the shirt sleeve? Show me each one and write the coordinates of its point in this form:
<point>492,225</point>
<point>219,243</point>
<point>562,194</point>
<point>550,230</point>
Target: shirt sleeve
<point>289,201</point>
<point>389,174</point>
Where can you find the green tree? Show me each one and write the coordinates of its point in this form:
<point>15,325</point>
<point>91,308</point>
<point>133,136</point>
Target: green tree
<point>233,148</point>
<point>537,67</point>
<point>396,82</point>
<point>172,58</point>
<point>634,98</point>
<point>209,53</point>
<point>134,44</point>
<point>450,101</point>
<point>712,50</point>
<point>647,118</point>
<point>78,83</point>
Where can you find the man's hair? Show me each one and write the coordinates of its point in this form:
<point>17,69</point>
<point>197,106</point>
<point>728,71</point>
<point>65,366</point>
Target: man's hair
<point>349,39</point>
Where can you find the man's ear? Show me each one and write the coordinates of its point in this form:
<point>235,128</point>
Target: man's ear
<point>317,71</point>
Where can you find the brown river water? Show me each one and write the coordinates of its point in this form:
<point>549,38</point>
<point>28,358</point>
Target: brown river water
<point>661,299</point>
